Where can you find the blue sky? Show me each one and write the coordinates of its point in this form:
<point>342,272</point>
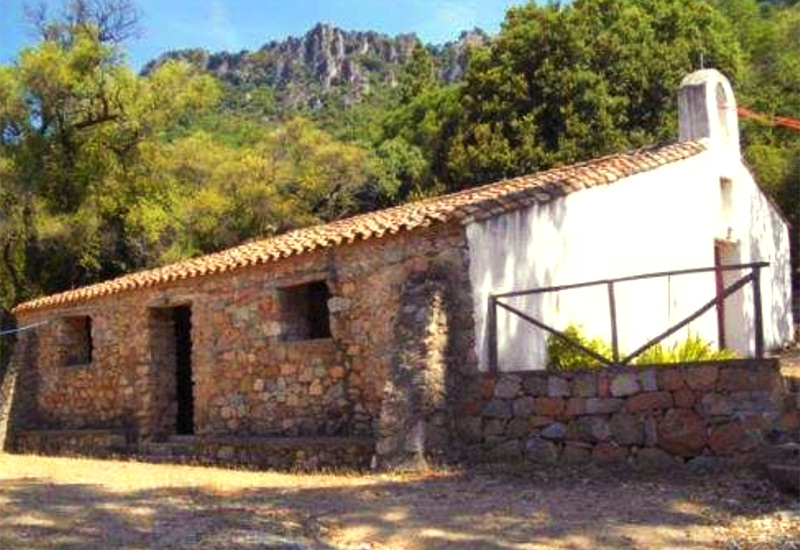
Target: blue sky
<point>247,24</point>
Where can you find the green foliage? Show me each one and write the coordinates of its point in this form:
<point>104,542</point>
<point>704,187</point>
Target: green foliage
<point>563,356</point>
<point>769,33</point>
<point>563,83</point>
<point>693,348</point>
<point>418,75</point>
<point>104,171</point>
<point>76,128</point>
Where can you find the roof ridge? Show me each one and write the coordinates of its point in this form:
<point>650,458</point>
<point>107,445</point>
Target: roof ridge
<point>464,206</point>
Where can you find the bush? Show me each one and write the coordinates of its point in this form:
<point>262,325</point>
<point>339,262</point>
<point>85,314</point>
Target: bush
<point>693,348</point>
<point>562,356</point>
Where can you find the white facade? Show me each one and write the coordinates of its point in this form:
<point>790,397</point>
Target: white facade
<point>666,219</point>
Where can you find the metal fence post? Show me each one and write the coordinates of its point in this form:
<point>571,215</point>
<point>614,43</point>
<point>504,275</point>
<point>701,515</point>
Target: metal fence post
<point>612,308</point>
<point>758,319</point>
<point>491,323</point>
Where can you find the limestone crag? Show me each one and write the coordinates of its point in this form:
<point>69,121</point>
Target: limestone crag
<point>304,70</point>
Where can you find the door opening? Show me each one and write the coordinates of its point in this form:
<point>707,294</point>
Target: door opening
<point>182,319</point>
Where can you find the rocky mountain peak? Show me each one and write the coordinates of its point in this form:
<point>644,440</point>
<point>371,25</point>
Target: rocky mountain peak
<point>326,59</point>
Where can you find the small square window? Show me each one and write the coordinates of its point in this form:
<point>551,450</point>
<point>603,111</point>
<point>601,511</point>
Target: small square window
<point>78,340</point>
<point>304,311</point>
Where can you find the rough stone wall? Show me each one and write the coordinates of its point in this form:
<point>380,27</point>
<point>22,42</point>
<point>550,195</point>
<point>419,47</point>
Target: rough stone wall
<point>100,443</point>
<point>249,379</point>
<point>100,394</point>
<point>17,391</point>
<point>414,419</point>
<point>649,416</point>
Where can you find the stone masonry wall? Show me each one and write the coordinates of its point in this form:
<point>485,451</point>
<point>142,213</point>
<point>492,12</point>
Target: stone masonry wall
<point>250,379</point>
<point>648,416</point>
<point>414,421</point>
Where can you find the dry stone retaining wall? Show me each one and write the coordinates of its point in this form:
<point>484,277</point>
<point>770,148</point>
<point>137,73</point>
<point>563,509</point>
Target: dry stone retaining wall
<point>99,443</point>
<point>649,416</point>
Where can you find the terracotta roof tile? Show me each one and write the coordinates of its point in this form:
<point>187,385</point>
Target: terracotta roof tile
<point>464,206</point>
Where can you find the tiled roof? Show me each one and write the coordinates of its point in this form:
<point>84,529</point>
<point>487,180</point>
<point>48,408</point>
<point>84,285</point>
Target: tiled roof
<point>465,206</point>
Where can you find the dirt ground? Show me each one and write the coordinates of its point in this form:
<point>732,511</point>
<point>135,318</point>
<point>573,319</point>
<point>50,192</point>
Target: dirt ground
<point>91,505</point>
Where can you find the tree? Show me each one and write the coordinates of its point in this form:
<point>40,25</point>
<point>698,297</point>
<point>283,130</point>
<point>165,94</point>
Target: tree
<point>563,83</point>
<point>76,126</point>
<point>770,85</point>
<point>418,75</point>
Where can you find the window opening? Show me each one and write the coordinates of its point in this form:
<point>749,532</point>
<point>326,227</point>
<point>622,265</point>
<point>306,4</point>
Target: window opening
<point>78,340</point>
<point>304,311</point>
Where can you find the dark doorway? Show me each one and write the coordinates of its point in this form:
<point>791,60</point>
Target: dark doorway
<point>182,319</point>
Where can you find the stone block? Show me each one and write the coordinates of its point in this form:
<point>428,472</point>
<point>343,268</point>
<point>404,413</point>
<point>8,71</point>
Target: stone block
<point>683,399</point>
<point>576,406</point>
<point>536,422</point>
<point>508,386</point>
<point>557,431</point>
<point>592,428</point>
<point>626,429</point>
<point>541,451</point>
<point>702,377</point>
<point>487,387</point>
<point>748,378</point>
<point>729,439</point>
<point>682,432</point>
<point>338,304</point>
<point>518,428</point>
<point>584,385</point>
<point>754,401</point>
<point>523,406</point>
<point>535,384</point>
<point>606,453</point>
<point>576,452</point>
<point>470,428</point>
<point>670,379</point>
<point>549,406</point>
<point>789,421</point>
<point>655,459</point>
<point>648,380</point>
<point>648,401</point>
<point>624,384</point>
<point>557,387</point>
<point>650,431</point>
<point>603,384</point>
<point>603,405</point>
<point>497,408</point>
<point>494,426</point>
<point>714,404</point>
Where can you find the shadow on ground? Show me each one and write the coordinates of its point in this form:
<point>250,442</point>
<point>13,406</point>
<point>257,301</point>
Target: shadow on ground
<point>484,510</point>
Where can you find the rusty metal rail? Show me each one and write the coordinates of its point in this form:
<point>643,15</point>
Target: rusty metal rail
<point>753,278</point>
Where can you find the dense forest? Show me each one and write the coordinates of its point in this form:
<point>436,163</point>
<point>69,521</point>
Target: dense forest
<point>104,171</point>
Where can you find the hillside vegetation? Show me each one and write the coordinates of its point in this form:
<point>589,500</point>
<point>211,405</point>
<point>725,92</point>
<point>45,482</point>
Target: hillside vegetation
<point>105,171</point>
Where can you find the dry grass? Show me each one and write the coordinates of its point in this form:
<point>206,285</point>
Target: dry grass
<point>88,504</point>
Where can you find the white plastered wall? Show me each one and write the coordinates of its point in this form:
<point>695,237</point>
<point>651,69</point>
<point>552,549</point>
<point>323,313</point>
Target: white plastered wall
<point>759,233</point>
<point>664,219</point>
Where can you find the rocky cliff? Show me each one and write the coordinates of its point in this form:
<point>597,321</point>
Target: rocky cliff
<point>326,60</point>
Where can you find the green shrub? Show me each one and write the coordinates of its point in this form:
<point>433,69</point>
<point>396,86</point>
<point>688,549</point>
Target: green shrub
<point>562,356</point>
<point>693,348</point>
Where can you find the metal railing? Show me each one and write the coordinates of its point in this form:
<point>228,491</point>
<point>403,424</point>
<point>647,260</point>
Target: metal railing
<point>753,278</point>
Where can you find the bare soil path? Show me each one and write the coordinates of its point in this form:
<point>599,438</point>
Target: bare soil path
<point>91,505</point>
